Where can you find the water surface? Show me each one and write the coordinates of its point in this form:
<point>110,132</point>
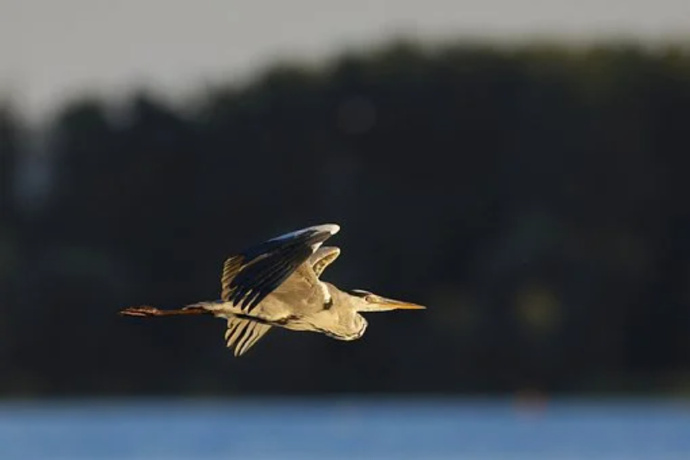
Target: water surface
<point>336,429</point>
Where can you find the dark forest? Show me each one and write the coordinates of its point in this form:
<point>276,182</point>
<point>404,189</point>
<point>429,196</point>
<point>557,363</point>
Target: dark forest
<point>536,199</point>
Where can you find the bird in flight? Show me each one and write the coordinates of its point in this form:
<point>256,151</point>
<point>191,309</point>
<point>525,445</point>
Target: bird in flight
<point>277,283</point>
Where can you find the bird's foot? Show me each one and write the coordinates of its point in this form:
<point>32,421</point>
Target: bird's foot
<point>140,311</point>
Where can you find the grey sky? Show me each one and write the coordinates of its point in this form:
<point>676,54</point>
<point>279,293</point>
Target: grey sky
<point>50,50</point>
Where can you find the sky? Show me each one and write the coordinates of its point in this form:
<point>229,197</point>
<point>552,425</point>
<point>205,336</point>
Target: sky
<point>51,51</point>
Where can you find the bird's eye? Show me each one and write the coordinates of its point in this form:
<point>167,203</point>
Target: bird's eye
<point>371,298</point>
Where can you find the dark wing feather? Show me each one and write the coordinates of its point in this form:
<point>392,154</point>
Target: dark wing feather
<point>250,276</point>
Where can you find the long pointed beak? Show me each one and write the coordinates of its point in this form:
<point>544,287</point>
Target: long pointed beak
<point>399,305</point>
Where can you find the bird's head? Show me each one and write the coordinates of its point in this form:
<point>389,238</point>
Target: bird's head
<point>370,302</point>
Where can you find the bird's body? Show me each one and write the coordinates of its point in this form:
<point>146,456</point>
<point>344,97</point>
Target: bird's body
<point>277,284</point>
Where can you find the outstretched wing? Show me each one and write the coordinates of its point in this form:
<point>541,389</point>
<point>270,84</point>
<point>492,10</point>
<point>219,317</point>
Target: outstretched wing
<point>250,276</point>
<point>243,334</point>
<point>322,258</point>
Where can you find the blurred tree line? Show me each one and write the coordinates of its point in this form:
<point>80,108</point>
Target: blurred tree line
<point>536,199</point>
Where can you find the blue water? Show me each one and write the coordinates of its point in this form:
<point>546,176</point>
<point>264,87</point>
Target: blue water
<point>339,429</point>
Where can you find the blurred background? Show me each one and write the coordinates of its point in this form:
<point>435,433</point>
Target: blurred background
<point>521,168</point>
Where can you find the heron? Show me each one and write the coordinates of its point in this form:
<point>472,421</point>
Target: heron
<point>277,284</point>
